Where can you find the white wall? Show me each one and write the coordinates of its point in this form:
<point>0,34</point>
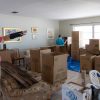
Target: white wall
<point>65,26</point>
<point>25,23</point>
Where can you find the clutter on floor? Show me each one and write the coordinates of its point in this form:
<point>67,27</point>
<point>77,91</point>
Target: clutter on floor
<point>49,73</point>
<point>73,65</point>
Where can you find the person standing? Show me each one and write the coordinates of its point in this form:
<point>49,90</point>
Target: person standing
<point>60,41</point>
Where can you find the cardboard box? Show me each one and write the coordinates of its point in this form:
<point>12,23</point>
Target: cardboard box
<point>35,60</point>
<point>94,46</point>
<point>97,63</point>
<point>75,36</point>
<point>75,54</point>
<point>54,67</point>
<point>69,49</point>
<point>49,47</point>
<point>75,39</point>
<point>71,91</point>
<point>41,53</point>
<point>5,56</point>
<point>87,62</point>
<point>75,45</point>
<point>88,49</point>
<point>82,51</point>
<point>62,49</point>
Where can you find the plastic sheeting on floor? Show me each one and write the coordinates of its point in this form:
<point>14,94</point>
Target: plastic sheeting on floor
<point>73,64</point>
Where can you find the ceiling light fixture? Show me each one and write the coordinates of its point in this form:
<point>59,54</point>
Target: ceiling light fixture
<point>14,12</point>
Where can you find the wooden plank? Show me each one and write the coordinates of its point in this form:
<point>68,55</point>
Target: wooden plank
<point>20,76</point>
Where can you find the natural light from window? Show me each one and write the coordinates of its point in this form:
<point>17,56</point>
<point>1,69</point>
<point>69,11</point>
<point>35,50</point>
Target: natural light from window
<point>85,34</point>
<point>97,31</point>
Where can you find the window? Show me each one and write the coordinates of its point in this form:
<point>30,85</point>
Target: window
<point>97,31</point>
<point>85,34</point>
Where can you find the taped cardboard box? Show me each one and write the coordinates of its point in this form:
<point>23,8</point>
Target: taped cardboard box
<point>75,54</point>
<point>41,53</point>
<point>69,49</point>
<point>49,47</point>
<point>82,51</point>
<point>62,49</point>
<point>75,40</point>
<point>97,63</point>
<point>95,46</point>
<point>54,67</point>
<point>72,91</point>
<point>75,36</point>
<point>88,49</point>
<point>5,56</point>
<point>36,59</point>
<point>87,62</point>
<point>75,45</point>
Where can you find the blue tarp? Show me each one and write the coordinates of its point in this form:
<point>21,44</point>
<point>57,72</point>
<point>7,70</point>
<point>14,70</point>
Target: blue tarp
<point>73,64</point>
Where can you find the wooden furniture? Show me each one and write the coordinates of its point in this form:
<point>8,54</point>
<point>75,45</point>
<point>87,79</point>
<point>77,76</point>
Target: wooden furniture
<point>17,58</point>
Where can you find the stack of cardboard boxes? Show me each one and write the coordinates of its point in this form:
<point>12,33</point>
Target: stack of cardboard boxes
<point>94,46</point>
<point>36,56</point>
<point>90,61</point>
<point>75,45</point>
<point>52,65</point>
<point>82,51</point>
<point>87,62</point>
<point>97,63</point>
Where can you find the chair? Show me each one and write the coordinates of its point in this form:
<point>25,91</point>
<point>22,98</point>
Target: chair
<point>95,86</point>
<point>16,57</point>
<point>94,78</point>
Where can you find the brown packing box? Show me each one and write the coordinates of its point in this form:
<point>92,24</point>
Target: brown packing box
<point>75,45</point>
<point>54,67</point>
<point>75,36</point>
<point>87,62</point>
<point>75,54</point>
<point>35,60</point>
<point>82,51</point>
<point>95,46</point>
<point>88,50</point>
<point>87,47</point>
<point>62,49</point>
<point>41,53</point>
<point>49,47</point>
<point>5,56</point>
<point>97,63</point>
<point>69,49</point>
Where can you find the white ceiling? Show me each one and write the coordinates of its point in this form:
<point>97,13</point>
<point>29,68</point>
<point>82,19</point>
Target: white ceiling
<point>52,9</point>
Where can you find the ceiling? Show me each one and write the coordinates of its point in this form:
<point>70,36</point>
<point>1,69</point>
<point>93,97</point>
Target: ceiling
<point>52,9</point>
